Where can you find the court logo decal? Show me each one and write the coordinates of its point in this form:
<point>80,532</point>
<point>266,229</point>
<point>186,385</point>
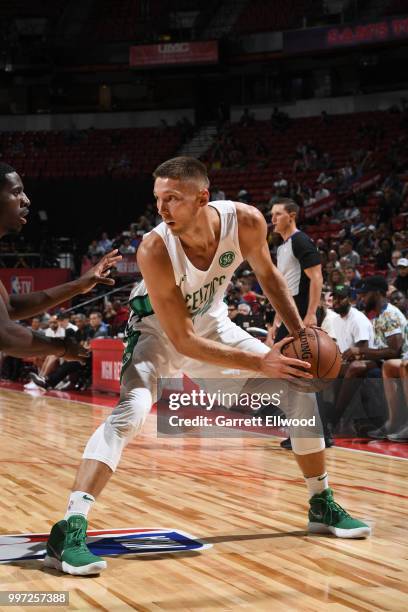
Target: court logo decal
<point>226,259</point>
<point>24,547</point>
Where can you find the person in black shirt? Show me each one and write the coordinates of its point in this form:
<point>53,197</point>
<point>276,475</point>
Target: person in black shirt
<point>299,262</point>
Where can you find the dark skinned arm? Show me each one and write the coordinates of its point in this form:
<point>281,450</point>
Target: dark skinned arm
<point>25,306</point>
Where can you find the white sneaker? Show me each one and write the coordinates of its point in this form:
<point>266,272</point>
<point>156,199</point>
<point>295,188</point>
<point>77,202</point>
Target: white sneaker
<point>31,385</point>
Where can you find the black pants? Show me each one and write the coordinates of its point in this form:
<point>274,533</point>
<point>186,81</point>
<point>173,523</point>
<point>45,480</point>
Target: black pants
<point>67,368</point>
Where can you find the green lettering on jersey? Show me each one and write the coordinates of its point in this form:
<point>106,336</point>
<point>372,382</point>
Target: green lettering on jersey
<point>201,300</point>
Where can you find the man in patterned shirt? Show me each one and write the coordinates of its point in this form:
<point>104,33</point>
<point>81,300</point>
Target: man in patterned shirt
<point>390,340</point>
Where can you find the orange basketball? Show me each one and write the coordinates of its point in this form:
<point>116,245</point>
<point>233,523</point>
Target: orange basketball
<point>316,347</point>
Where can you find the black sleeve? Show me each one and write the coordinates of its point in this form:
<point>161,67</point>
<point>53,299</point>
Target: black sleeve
<point>305,250</point>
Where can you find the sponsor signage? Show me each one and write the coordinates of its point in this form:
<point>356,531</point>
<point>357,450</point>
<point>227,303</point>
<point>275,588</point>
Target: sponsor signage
<point>145,56</point>
<point>387,29</point>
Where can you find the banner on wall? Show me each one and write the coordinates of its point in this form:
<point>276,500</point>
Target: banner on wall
<point>386,29</point>
<point>127,266</point>
<point>148,56</point>
<point>19,281</point>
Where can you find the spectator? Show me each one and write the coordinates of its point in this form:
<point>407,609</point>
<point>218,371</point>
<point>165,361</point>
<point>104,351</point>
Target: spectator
<point>126,248</point>
<point>50,363</point>
<point>401,282</point>
<point>353,279</point>
<point>346,250</point>
<point>398,299</point>
<point>243,195</point>
<point>383,257</point>
<point>327,315</point>
<point>321,193</point>
<point>64,320</point>
<point>98,328</point>
<point>36,325</point>
<point>120,318</point>
<point>95,250</point>
<point>105,244</point>
<point>217,194</point>
<point>352,327</point>
<point>335,278</point>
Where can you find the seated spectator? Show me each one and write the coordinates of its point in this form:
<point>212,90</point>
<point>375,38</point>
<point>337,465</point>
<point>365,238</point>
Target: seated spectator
<point>78,373</point>
<point>99,329</point>
<point>383,257</point>
<point>390,339</point>
<point>353,280</point>
<point>51,362</point>
<point>321,193</point>
<point>119,321</point>
<point>217,194</point>
<point>95,250</point>
<point>398,299</point>
<point>346,250</point>
<point>105,244</point>
<point>326,315</point>
<point>245,318</point>
<point>352,327</point>
<point>243,195</point>
<point>401,282</point>
<point>335,278</point>
<point>126,248</point>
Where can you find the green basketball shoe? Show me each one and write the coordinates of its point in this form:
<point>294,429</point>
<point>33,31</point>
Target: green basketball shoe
<point>67,550</point>
<point>326,516</point>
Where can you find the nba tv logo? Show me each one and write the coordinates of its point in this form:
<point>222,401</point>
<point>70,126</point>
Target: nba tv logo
<point>22,284</point>
<point>105,543</point>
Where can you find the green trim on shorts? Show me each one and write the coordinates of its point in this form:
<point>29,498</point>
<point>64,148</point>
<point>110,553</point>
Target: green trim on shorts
<point>141,306</point>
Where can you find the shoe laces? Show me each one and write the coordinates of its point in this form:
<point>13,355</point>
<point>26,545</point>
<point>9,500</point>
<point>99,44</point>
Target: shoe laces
<point>332,508</point>
<point>77,536</point>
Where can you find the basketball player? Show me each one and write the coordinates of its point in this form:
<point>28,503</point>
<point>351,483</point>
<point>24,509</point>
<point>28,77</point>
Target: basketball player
<point>299,262</point>
<point>180,322</point>
<point>19,341</point>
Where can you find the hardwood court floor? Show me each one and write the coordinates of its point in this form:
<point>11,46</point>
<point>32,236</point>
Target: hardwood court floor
<point>244,496</point>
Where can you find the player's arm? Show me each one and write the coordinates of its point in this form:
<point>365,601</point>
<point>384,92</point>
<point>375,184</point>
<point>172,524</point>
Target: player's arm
<point>254,248</point>
<point>29,305</point>
<point>170,308</point>
<point>315,291</point>
<point>18,341</point>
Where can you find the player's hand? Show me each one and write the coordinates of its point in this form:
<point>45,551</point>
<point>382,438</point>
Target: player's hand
<point>276,365</point>
<point>310,320</point>
<point>99,274</point>
<point>75,351</point>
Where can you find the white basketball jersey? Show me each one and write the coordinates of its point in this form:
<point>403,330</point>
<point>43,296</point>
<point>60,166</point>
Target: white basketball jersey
<point>203,291</point>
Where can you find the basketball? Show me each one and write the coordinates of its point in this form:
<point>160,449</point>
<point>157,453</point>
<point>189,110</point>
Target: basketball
<point>316,347</point>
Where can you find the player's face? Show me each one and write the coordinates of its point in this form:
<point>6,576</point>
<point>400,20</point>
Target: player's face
<point>14,205</point>
<point>179,202</point>
<point>280,218</point>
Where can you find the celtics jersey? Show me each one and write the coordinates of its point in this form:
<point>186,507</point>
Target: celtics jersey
<point>203,290</point>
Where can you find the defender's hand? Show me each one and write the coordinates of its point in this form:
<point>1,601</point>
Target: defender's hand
<point>276,365</point>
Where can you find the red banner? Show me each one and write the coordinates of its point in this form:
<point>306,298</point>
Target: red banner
<point>145,56</point>
<point>127,266</point>
<point>27,280</point>
<point>365,182</point>
<point>319,207</point>
<point>106,364</point>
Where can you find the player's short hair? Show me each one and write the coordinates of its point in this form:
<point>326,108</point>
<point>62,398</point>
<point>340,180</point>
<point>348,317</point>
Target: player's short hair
<point>289,205</point>
<point>4,170</point>
<point>183,169</point>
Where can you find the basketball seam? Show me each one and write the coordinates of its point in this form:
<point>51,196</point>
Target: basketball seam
<point>333,362</point>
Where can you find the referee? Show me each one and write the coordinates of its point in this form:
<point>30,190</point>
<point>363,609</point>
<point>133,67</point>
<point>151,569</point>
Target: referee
<point>299,262</point>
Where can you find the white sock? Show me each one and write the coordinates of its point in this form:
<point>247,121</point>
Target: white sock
<point>79,503</point>
<point>317,484</point>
